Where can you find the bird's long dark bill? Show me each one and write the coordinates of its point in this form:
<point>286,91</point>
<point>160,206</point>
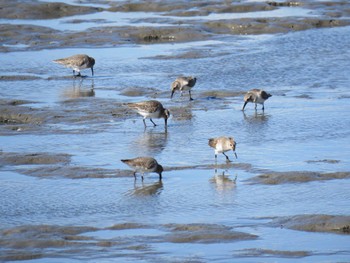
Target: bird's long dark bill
<point>235,154</point>
<point>172,94</point>
<point>92,71</point>
<point>245,103</point>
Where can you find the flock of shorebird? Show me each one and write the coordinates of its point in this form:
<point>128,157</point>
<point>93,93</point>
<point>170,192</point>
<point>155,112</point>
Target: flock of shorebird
<point>154,109</point>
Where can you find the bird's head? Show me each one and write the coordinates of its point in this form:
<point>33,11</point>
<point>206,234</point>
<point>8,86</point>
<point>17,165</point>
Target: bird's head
<point>174,86</point>
<point>160,171</point>
<point>232,145</point>
<point>166,116</point>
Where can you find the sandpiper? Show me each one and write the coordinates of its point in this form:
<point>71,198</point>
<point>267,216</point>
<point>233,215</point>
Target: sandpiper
<point>182,84</point>
<point>223,144</point>
<point>256,96</point>
<point>144,165</point>
<point>77,63</point>
<point>150,109</point>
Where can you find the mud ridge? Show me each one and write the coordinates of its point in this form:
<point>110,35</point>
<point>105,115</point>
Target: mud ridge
<point>33,158</point>
<point>315,223</point>
<point>276,178</point>
<point>17,118</point>
<point>75,172</point>
<point>47,241</point>
<point>257,26</point>
<point>260,252</point>
<point>30,37</point>
<point>17,9</point>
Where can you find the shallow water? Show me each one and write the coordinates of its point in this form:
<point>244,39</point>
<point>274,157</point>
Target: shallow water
<point>305,122</point>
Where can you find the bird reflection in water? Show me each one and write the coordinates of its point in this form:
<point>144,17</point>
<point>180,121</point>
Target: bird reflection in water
<point>147,189</point>
<point>256,117</point>
<point>222,181</point>
<point>78,90</point>
<point>257,126</point>
<point>150,143</point>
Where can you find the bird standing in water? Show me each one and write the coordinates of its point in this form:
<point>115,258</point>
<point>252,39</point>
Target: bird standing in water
<point>183,84</point>
<point>221,145</point>
<point>77,63</point>
<point>144,165</point>
<point>150,109</point>
<point>256,96</point>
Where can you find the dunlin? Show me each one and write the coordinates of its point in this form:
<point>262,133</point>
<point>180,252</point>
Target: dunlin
<point>77,63</point>
<point>183,84</point>
<point>223,144</point>
<point>256,96</point>
<point>144,165</point>
<point>150,109</point>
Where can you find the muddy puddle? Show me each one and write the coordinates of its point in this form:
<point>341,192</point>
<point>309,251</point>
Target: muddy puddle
<point>67,197</point>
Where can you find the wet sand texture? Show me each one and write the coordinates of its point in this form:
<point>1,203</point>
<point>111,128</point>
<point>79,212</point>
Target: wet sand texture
<point>315,223</point>
<point>16,9</point>
<point>39,37</point>
<point>260,252</point>
<point>15,113</point>
<point>203,233</point>
<point>297,177</point>
<point>17,116</point>
<point>40,241</point>
<point>33,158</point>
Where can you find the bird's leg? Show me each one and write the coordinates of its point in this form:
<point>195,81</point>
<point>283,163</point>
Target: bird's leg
<point>153,122</point>
<point>135,175</point>
<point>142,177</point>
<point>263,107</point>
<point>73,73</point>
<point>256,105</point>
<point>216,158</point>
<point>226,157</point>
<point>92,71</point>
<point>144,122</point>
<point>190,94</point>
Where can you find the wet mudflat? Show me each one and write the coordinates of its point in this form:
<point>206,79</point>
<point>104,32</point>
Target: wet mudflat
<point>66,197</point>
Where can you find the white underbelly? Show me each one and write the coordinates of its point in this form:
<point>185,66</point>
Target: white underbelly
<point>185,88</point>
<point>220,149</point>
<point>149,115</point>
<point>259,100</point>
